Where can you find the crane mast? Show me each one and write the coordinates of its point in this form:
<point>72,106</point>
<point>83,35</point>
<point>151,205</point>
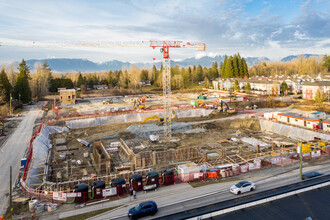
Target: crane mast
<point>164,45</point>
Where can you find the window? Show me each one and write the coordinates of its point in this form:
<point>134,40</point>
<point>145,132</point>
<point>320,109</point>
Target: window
<point>72,96</point>
<point>308,123</point>
<point>296,120</point>
<point>328,126</point>
<point>69,97</point>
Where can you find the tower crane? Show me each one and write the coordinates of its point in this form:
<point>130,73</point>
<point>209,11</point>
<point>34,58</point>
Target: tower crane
<point>164,49</point>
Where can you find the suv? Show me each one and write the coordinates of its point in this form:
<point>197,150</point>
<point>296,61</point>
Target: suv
<point>143,209</point>
<point>311,175</point>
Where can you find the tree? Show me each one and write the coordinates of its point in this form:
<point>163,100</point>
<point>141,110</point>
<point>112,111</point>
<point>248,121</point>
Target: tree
<point>245,69</point>
<point>22,88</point>
<point>213,71</point>
<point>235,66</point>
<point>5,86</point>
<point>40,79</point>
<point>320,96</point>
<point>326,62</point>
<point>198,74</point>
<point>248,88</point>
<point>284,88</point>
<point>236,86</point>
<point>223,69</point>
<point>229,70</point>
<point>80,81</point>
<point>154,75</point>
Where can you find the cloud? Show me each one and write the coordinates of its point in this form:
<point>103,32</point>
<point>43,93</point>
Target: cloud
<point>251,27</point>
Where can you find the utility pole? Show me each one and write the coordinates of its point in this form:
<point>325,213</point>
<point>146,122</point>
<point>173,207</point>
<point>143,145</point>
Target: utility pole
<point>10,105</point>
<point>300,154</point>
<point>11,199</point>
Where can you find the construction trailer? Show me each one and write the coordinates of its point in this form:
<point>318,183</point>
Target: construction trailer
<point>298,120</point>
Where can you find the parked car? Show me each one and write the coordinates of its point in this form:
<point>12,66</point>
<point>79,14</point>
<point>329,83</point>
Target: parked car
<point>242,187</point>
<point>143,209</point>
<point>311,175</point>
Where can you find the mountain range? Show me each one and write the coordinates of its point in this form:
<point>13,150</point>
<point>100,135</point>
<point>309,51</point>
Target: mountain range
<point>84,65</point>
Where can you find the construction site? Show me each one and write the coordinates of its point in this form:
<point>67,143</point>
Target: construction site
<point>120,143</point>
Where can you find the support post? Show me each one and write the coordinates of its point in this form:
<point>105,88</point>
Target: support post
<point>300,155</point>
<point>11,196</point>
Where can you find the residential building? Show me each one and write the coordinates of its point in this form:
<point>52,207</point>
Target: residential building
<point>309,88</point>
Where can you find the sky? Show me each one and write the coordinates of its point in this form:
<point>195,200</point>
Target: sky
<point>273,28</point>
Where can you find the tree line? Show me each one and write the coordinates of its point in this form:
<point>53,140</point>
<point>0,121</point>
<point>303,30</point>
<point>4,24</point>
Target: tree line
<point>25,86</point>
<point>301,66</point>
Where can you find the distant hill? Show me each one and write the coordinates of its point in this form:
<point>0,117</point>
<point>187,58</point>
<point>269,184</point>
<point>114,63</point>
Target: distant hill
<point>79,65</point>
<point>291,57</point>
<point>84,65</point>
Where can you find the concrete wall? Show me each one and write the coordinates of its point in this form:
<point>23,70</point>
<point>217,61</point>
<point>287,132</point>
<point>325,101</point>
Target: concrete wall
<point>291,132</point>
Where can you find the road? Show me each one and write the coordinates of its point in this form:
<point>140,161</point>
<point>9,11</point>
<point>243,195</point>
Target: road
<point>12,151</point>
<point>195,197</point>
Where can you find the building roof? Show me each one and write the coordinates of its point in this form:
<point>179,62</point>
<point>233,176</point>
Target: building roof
<point>294,115</point>
<point>316,83</point>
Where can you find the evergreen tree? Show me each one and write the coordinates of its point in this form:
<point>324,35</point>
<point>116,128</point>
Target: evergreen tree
<point>235,66</point>
<point>240,66</point>
<point>229,71</point>
<point>5,86</point>
<point>326,62</point>
<point>245,69</point>
<point>248,88</point>
<point>190,75</point>
<point>22,88</point>
<point>284,87</point>
<point>80,81</point>
<point>199,74</point>
<point>236,86</point>
<point>213,71</point>
<point>223,70</point>
<point>153,74</point>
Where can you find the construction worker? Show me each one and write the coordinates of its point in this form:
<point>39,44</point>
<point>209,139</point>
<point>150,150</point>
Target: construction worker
<point>134,194</point>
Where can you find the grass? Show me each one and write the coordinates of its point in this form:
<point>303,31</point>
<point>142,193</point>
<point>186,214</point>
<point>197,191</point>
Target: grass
<point>89,214</point>
<point>204,183</point>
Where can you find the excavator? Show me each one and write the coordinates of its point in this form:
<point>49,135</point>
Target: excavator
<point>138,104</point>
<point>160,120</point>
<point>227,109</point>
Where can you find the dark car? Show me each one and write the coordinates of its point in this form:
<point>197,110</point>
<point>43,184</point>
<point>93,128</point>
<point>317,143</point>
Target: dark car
<point>311,175</point>
<point>143,209</point>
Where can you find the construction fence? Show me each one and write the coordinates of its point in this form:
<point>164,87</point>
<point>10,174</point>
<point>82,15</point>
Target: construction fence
<point>219,173</point>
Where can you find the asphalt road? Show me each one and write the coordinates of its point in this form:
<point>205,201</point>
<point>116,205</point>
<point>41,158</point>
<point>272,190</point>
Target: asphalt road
<point>12,151</point>
<point>172,203</point>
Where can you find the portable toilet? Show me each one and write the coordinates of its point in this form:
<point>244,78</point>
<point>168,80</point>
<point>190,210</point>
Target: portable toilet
<point>167,176</point>
<point>152,177</point>
<point>135,181</point>
<point>82,192</point>
<point>97,187</point>
<point>120,184</point>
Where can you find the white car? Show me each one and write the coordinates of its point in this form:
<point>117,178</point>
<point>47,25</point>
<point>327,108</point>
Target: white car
<point>242,187</point>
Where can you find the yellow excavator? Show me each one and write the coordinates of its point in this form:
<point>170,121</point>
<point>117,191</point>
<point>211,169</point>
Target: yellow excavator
<point>160,120</point>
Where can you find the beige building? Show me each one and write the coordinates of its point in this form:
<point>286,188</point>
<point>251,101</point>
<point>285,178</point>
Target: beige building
<point>309,89</point>
<point>68,96</point>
